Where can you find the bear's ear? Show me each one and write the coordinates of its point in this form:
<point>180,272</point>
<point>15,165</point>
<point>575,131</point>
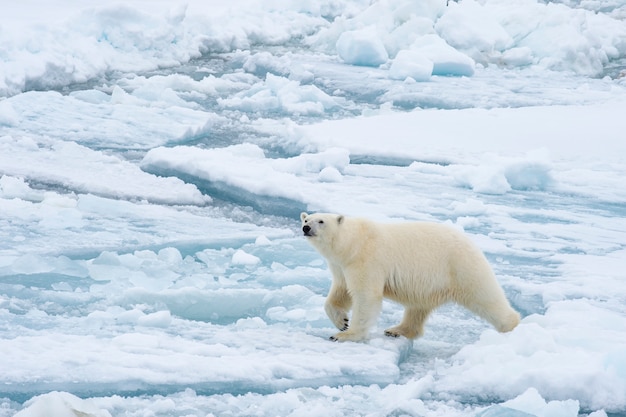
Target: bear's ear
<point>339,219</point>
<point>303,216</point>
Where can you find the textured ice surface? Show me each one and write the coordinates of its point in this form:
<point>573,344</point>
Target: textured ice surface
<point>154,159</point>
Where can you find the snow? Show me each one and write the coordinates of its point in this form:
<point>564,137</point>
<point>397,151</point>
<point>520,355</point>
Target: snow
<point>155,157</point>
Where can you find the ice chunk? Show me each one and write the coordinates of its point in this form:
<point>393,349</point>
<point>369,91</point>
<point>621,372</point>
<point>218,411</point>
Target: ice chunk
<point>330,174</point>
<point>159,319</point>
<point>362,47</point>
<point>413,64</point>
<point>264,62</point>
<point>446,60</point>
<point>281,94</point>
<point>338,158</point>
<point>91,96</point>
<point>8,115</point>
<point>32,264</point>
<point>15,187</point>
<point>61,404</point>
<point>501,411</point>
<point>170,256</point>
<point>262,241</point>
<point>251,323</point>
<point>402,36</point>
<point>528,175</point>
<point>107,258</point>
<point>498,175</point>
<point>242,258</point>
<point>472,26</point>
<point>233,174</point>
<point>532,402</point>
<point>486,178</point>
<point>78,168</point>
<point>517,57</point>
<point>469,207</point>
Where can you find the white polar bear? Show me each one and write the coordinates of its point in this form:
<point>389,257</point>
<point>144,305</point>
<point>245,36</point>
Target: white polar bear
<point>420,265</point>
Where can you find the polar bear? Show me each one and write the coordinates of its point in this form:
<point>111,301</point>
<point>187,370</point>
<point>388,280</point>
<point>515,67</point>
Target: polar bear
<point>420,265</point>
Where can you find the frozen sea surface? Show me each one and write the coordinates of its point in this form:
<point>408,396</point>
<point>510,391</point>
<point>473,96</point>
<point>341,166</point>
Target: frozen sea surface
<point>155,157</point>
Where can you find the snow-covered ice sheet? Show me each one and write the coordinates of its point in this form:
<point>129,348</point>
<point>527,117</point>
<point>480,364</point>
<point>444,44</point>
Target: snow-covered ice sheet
<point>154,158</point>
<point>246,356</point>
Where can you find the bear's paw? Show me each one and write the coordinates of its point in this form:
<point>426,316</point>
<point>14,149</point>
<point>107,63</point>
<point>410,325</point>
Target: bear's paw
<point>348,336</point>
<point>400,330</point>
<point>392,333</point>
<point>346,324</point>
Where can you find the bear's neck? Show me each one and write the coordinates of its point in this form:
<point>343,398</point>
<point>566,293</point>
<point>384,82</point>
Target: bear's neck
<point>343,247</point>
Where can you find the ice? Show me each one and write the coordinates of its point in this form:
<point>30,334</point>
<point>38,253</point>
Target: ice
<point>95,118</point>
<point>232,173</point>
<point>361,47</point>
<point>552,351</point>
<point>501,411</point>
<point>280,94</point>
<point>493,29</point>
<point>146,291</point>
<point>532,402</point>
<point>61,404</point>
<point>459,27</point>
<point>242,258</point>
<point>155,157</point>
<point>8,115</point>
<point>411,64</point>
<point>15,187</point>
<point>208,358</point>
<point>446,60</point>
<point>87,43</point>
<point>430,55</point>
<point>88,171</point>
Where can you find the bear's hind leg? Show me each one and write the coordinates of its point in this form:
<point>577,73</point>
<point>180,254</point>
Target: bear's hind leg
<point>505,318</point>
<point>495,308</point>
<point>412,325</point>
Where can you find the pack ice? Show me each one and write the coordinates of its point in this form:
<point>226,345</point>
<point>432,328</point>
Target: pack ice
<point>155,157</point>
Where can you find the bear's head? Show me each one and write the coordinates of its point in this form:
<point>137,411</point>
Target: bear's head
<point>316,226</point>
<point>332,235</point>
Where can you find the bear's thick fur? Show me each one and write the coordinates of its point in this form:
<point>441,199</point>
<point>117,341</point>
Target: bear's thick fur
<point>420,265</point>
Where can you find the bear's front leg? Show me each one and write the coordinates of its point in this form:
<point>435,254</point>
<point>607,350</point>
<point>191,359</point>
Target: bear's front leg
<point>337,315</point>
<point>364,314</point>
<point>338,302</point>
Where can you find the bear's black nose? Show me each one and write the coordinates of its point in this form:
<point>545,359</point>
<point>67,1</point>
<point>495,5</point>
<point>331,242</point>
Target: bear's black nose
<point>306,229</point>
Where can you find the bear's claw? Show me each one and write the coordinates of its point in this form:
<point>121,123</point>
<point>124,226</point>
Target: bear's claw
<point>392,334</point>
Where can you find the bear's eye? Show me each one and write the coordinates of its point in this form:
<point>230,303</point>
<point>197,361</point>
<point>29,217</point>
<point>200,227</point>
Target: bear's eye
<point>321,222</point>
